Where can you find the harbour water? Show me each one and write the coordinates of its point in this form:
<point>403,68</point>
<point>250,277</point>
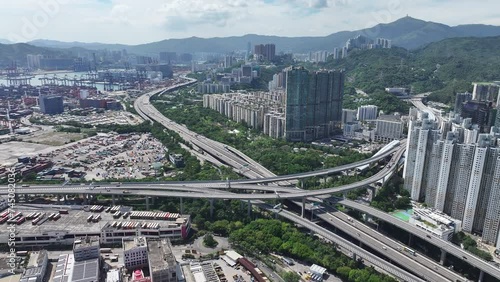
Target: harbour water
<point>37,78</point>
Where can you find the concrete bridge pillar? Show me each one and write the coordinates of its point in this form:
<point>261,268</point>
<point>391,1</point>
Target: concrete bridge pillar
<point>249,208</point>
<point>303,207</point>
<point>113,201</point>
<point>443,257</point>
<point>147,202</point>
<point>181,207</point>
<point>211,208</point>
<point>410,240</point>
<point>481,276</point>
<point>371,192</point>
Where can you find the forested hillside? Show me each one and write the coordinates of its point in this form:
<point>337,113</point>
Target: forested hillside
<point>443,67</point>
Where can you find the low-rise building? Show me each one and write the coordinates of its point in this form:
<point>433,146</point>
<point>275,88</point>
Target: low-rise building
<point>135,252</point>
<point>388,128</point>
<point>435,222</point>
<point>86,248</point>
<point>114,275</point>
<point>176,159</point>
<point>161,261</point>
<point>37,267</point>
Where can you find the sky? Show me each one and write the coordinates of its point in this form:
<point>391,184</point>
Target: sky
<point>144,21</point>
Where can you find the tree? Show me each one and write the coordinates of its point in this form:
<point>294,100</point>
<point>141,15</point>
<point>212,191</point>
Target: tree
<point>290,276</point>
<point>209,241</point>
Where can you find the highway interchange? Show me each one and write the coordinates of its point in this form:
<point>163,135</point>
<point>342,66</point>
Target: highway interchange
<point>218,152</point>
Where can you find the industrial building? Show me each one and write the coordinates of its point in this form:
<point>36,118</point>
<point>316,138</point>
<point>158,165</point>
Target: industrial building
<point>51,105</point>
<point>110,228</point>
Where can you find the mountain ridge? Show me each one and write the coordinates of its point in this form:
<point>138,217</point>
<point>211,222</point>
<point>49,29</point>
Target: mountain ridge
<point>406,32</point>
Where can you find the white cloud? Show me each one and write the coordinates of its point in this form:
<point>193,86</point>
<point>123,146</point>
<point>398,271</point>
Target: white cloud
<point>140,21</point>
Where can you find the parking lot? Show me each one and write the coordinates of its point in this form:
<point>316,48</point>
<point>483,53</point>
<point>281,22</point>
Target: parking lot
<point>104,118</point>
<point>112,156</point>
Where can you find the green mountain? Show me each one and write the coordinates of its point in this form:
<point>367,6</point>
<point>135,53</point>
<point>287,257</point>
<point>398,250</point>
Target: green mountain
<point>443,67</point>
<point>17,53</point>
<point>406,32</point>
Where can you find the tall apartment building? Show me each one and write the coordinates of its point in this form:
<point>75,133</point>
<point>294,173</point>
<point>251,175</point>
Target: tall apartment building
<point>265,52</point>
<point>485,92</point>
<point>348,116</point>
<point>479,112</point>
<point>460,98</point>
<point>34,61</point>
<point>421,134</point>
<point>313,103</point>
<point>383,43</point>
<point>229,61</point>
<point>278,82</point>
<point>135,252</point>
<point>459,179</point>
<point>367,112</point>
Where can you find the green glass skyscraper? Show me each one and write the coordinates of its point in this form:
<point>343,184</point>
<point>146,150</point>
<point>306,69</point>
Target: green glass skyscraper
<point>313,103</point>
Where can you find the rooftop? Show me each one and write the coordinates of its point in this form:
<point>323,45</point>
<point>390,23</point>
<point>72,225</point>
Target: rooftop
<point>37,258</point>
<point>160,255</point>
<point>86,271</point>
<point>136,242</point>
<point>113,275</point>
<point>86,242</point>
<point>75,222</point>
<point>63,268</point>
<point>393,118</point>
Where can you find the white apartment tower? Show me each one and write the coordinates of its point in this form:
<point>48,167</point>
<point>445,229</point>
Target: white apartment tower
<point>367,112</point>
<point>459,179</point>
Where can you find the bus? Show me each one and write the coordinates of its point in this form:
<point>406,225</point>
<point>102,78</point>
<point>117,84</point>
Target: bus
<point>21,220</point>
<point>409,251</point>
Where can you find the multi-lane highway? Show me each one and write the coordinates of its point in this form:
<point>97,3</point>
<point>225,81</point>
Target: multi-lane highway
<point>249,168</point>
<point>358,251</point>
<point>442,244</point>
<point>384,245</point>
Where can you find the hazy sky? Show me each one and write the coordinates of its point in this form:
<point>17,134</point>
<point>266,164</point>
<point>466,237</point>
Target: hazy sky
<point>143,21</point>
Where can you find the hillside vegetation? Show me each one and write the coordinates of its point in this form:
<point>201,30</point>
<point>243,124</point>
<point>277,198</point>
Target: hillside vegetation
<point>443,67</point>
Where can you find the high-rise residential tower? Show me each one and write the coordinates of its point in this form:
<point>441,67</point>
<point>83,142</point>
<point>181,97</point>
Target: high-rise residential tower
<point>313,103</point>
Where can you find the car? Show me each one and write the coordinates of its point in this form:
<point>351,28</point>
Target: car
<point>384,247</point>
<point>464,257</point>
<point>428,236</point>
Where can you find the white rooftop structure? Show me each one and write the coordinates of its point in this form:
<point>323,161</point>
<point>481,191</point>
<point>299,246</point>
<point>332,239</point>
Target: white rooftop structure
<point>317,272</point>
